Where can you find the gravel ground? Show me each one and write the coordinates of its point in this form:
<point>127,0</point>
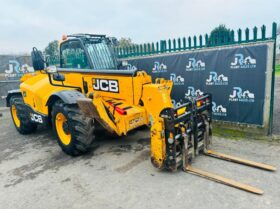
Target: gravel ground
<point>35,173</point>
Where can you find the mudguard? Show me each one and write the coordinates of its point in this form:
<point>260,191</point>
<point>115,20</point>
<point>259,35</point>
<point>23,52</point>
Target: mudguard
<point>67,96</point>
<point>10,94</point>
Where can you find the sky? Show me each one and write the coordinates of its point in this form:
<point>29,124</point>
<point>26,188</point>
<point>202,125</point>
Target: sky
<point>28,23</point>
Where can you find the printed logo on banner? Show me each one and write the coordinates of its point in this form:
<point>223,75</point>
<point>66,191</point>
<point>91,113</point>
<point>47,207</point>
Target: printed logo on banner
<point>15,70</point>
<point>218,110</point>
<point>238,95</point>
<point>159,68</point>
<point>192,92</point>
<point>215,79</point>
<point>176,104</point>
<point>131,67</point>
<point>195,65</point>
<point>240,61</point>
<point>177,80</point>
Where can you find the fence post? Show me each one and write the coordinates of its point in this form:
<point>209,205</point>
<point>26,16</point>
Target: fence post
<point>125,52</point>
<point>179,44</point>
<point>194,42</point>
<point>162,46</point>
<point>200,41</point>
<point>174,45</point>
<point>239,35</point>
<point>157,47</point>
<point>255,33</point>
<point>121,52</point>
<point>141,49</point>
<point>137,50</point>
<point>184,43</point>
<point>232,36</point>
<point>263,29</point>
<point>153,48</point>
<point>131,52</point>
<point>169,45</point>
<point>274,37</point>
<point>190,42</point>
<point>274,30</point>
<point>247,34</point>
<point>145,49</point>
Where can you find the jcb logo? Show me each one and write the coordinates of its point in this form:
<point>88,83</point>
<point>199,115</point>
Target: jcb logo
<point>105,85</point>
<point>36,118</point>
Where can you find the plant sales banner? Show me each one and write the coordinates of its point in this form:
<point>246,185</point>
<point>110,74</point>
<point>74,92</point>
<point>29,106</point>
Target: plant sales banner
<point>235,76</point>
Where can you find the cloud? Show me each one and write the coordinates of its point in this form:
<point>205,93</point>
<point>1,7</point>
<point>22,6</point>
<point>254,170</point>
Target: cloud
<point>29,23</point>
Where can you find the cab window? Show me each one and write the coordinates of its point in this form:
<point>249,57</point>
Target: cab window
<point>73,56</point>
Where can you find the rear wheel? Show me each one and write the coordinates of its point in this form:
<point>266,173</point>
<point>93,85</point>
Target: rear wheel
<point>20,116</point>
<point>74,131</point>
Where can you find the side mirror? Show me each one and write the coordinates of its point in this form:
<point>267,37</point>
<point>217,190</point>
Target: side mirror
<point>58,77</point>
<point>37,59</point>
<point>51,69</point>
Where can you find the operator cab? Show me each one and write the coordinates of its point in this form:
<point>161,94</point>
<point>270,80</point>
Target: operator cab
<point>87,51</point>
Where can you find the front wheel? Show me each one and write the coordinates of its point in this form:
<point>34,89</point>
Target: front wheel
<point>74,131</point>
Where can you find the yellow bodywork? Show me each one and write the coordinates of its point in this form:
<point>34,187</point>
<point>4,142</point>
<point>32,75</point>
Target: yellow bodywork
<point>141,100</point>
<point>36,89</point>
<point>156,97</point>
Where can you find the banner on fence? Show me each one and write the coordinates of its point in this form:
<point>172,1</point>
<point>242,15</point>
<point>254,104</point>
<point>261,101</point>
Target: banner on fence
<point>235,76</point>
<point>12,68</point>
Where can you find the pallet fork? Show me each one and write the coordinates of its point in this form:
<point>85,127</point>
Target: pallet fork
<point>193,130</point>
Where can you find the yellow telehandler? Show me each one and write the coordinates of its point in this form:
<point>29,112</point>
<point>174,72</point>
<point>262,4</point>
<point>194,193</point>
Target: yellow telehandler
<point>91,90</point>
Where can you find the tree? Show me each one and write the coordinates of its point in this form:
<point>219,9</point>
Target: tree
<point>52,49</point>
<point>125,42</point>
<point>220,35</point>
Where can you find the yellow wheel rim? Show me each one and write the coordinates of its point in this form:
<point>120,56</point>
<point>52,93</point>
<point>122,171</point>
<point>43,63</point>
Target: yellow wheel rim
<point>60,124</point>
<point>15,117</point>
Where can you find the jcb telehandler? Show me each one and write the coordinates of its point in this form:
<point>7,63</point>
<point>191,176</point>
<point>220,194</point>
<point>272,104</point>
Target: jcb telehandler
<point>89,90</point>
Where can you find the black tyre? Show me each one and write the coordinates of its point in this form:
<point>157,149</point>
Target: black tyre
<point>74,131</point>
<point>20,116</point>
